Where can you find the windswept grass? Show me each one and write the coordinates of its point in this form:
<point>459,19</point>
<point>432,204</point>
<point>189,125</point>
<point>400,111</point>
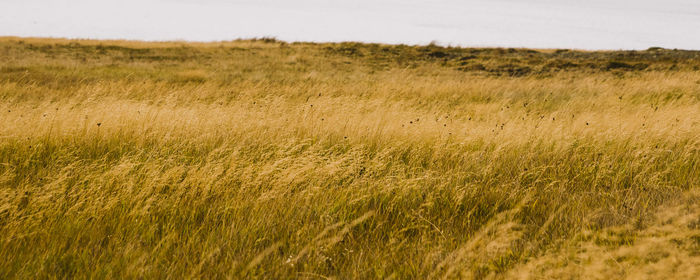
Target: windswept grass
<point>262,159</point>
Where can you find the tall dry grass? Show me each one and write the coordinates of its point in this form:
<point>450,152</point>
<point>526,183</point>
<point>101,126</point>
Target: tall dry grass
<point>257,159</point>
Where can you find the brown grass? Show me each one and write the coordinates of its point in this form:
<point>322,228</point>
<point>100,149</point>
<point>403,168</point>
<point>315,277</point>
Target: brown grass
<point>262,159</point>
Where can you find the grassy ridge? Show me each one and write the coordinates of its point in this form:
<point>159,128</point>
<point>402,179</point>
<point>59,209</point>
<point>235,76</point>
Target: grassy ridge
<point>265,159</point>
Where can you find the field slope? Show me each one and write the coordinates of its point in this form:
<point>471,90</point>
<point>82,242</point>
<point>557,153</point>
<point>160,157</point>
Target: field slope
<point>265,159</point>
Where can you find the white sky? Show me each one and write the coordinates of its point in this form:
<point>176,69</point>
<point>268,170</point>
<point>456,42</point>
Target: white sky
<point>581,24</point>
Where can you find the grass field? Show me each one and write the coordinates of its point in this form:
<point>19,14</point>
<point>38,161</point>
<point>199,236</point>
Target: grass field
<point>266,159</point>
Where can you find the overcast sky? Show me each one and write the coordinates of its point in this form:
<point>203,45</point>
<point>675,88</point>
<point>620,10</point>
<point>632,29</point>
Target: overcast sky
<point>582,24</point>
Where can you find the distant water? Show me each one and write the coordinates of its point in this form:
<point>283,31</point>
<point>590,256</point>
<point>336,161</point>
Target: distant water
<point>589,24</point>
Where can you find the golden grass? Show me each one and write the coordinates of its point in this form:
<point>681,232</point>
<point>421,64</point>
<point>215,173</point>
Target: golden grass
<point>258,159</point>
